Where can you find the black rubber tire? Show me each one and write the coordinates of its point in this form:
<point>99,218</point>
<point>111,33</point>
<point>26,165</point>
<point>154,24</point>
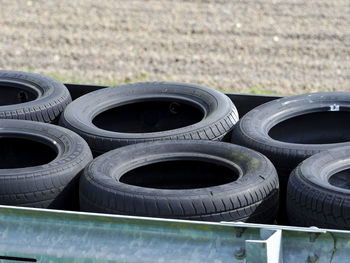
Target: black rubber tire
<point>312,200</point>
<point>49,97</point>
<point>253,129</point>
<point>220,113</point>
<point>49,185</point>
<point>253,197</point>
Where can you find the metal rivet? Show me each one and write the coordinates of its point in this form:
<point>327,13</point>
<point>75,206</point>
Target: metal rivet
<point>312,258</point>
<point>239,231</point>
<point>240,253</point>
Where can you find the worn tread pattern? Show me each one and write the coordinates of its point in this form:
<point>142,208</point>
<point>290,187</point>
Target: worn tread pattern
<point>251,199</point>
<point>317,203</point>
<point>46,108</point>
<point>309,206</point>
<point>252,213</point>
<point>47,185</point>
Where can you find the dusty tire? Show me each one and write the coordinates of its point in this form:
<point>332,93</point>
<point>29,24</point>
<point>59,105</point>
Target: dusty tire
<point>291,129</point>
<point>150,111</point>
<point>150,179</point>
<point>319,190</point>
<point>31,97</point>
<point>40,164</point>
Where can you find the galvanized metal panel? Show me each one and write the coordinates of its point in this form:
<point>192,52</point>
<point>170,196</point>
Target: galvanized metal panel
<point>51,236</point>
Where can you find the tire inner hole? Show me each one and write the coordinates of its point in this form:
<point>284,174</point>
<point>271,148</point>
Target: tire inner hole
<point>15,94</point>
<point>20,153</point>
<point>180,174</point>
<point>149,116</point>
<point>341,179</point>
<point>314,128</point>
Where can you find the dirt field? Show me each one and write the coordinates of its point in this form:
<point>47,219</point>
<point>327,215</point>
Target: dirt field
<point>256,46</point>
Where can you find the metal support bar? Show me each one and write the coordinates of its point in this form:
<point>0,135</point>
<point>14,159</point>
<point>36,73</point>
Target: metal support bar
<point>39,235</point>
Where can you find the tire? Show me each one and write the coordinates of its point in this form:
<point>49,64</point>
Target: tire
<point>31,97</point>
<point>40,164</point>
<point>282,129</point>
<point>149,112</point>
<point>191,180</point>
<point>319,191</point>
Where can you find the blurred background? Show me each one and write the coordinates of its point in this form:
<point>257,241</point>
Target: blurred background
<point>251,46</point>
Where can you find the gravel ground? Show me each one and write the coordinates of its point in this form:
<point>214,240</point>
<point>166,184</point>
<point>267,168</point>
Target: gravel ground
<point>256,46</point>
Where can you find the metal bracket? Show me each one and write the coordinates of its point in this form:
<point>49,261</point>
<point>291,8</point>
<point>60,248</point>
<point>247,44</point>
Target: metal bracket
<point>265,251</point>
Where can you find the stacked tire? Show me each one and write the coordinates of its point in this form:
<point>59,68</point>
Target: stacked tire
<point>40,162</point>
<point>160,151</point>
<point>168,167</point>
<point>142,112</point>
<point>292,129</point>
<point>32,97</point>
<point>172,165</point>
<point>193,180</point>
<point>319,190</point>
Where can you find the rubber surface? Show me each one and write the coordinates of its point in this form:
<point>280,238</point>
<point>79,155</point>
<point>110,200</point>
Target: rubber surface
<point>51,185</point>
<point>253,129</point>
<point>51,97</point>
<point>253,197</point>
<point>312,199</point>
<point>220,114</point>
